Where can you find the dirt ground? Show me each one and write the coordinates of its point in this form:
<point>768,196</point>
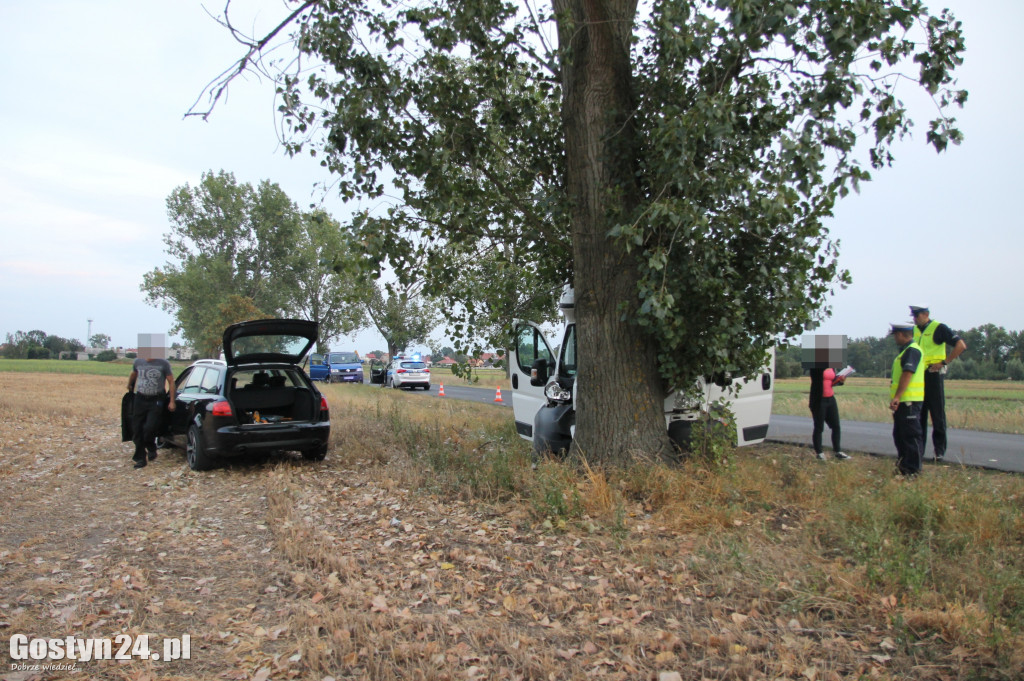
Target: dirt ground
<point>283,569</point>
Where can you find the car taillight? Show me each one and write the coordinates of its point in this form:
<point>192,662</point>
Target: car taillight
<point>221,408</point>
<point>426,371</point>
<point>402,371</point>
<point>325,411</point>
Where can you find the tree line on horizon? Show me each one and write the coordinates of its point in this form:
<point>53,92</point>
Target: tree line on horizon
<point>993,354</point>
<point>37,344</point>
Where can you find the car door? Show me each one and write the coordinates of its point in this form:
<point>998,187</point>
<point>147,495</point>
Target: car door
<point>188,380</point>
<point>317,367</point>
<point>530,345</point>
<point>377,371</point>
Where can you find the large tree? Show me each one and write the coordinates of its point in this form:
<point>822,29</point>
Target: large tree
<point>676,161</point>
<point>317,289</point>
<point>227,239</point>
<point>402,315</point>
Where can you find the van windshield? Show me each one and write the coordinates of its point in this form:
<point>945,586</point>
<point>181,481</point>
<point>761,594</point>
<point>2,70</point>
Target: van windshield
<point>343,358</point>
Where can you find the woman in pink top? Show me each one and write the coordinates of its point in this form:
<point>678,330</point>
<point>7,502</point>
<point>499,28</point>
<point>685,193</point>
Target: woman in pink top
<point>825,410</point>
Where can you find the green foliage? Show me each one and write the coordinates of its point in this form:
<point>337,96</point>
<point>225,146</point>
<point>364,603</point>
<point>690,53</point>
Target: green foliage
<point>745,144</point>
<point>226,239</point>
<point>106,356</point>
<point>555,494</point>
<point>316,290</point>
<point>37,345</point>
<point>403,316</point>
<point>713,440</point>
<point>236,249</point>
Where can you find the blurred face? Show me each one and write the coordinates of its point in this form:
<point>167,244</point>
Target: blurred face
<point>920,316</point>
<point>903,337</point>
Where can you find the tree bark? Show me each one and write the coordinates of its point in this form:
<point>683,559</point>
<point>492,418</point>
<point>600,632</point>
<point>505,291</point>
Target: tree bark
<point>619,400</point>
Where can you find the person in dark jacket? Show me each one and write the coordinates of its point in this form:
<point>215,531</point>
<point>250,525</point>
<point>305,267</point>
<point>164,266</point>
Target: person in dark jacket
<point>824,410</point>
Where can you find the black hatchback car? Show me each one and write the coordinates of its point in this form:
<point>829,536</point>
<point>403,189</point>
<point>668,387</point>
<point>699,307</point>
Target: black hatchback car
<point>257,399</point>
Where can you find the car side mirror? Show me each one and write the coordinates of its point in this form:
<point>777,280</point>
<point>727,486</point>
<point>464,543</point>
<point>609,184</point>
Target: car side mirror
<point>539,371</point>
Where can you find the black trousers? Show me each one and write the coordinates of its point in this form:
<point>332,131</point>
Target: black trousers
<point>827,412</point>
<point>147,417</point>
<point>934,404</point>
<point>906,435</point>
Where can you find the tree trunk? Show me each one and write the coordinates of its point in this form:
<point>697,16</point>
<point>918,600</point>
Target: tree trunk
<point>620,397</point>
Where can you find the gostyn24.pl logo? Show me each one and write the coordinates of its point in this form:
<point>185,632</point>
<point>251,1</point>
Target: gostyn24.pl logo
<point>120,647</point>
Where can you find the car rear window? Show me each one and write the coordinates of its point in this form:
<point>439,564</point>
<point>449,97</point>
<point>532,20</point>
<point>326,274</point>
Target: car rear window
<point>257,379</point>
<point>413,365</point>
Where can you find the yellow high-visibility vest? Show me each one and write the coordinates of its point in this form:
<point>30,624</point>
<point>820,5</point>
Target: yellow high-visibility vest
<point>934,353</point>
<point>914,391</point>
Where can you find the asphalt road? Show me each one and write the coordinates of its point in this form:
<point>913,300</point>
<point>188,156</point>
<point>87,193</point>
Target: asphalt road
<point>966,447</point>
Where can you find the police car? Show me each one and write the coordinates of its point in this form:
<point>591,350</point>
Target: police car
<point>408,372</point>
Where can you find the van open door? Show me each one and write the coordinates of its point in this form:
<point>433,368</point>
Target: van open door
<point>531,362</point>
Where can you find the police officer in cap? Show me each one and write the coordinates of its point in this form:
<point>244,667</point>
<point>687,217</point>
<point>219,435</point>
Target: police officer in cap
<point>906,394</point>
<point>933,337</point>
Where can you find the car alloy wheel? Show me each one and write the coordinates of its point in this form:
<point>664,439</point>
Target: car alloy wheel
<point>195,451</point>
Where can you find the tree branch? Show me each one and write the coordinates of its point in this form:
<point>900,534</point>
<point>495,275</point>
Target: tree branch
<point>219,85</point>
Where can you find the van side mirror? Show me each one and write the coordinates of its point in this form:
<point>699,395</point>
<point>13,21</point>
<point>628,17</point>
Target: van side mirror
<point>539,371</point>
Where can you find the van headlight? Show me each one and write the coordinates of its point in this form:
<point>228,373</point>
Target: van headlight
<point>558,394</point>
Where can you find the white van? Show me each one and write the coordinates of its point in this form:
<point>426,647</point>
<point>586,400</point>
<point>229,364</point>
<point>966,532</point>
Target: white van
<point>544,391</point>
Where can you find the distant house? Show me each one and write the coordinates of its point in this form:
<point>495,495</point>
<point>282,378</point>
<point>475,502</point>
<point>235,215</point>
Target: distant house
<point>445,363</point>
<point>181,353</point>
<point>486,359</point>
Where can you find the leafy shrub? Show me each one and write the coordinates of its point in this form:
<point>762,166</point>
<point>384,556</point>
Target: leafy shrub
<point>106,356</point>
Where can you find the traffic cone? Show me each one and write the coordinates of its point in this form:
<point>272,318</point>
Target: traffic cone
<point>497,397</point>
<point>441,394</point>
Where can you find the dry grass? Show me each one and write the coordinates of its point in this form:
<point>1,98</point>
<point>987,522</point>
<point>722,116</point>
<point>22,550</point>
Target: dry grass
<point>426,547</point>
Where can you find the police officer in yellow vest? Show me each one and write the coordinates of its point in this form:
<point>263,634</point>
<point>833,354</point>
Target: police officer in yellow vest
<point>906,394</point>
<point>933,337</point>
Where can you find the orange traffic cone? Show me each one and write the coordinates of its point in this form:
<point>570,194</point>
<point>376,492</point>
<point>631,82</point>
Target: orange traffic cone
<point>497,397</point>
<point>441,394</point>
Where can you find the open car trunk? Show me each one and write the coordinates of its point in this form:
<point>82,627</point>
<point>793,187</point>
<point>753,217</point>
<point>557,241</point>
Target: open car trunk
<point>275,395</point>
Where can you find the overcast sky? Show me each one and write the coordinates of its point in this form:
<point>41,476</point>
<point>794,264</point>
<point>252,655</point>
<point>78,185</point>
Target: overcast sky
<point>93,141</point>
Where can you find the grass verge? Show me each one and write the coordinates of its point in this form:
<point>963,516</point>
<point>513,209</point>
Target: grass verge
<point>925,571</point>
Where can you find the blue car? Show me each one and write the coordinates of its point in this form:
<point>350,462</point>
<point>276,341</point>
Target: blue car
<point>343,367</point>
